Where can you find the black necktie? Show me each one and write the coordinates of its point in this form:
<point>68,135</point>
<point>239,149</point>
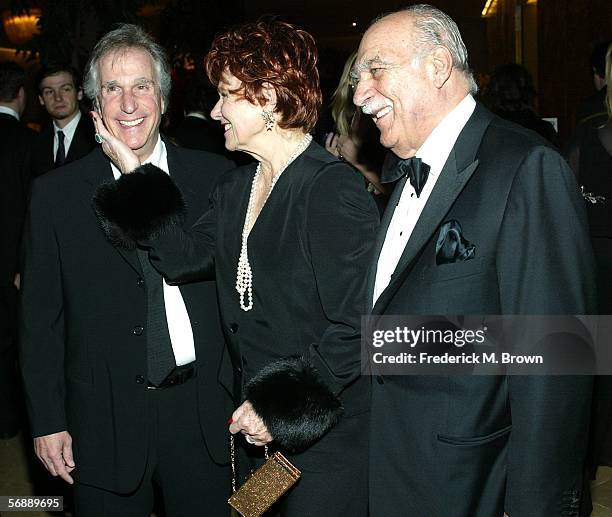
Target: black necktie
<point>416,170</point>
<point>160,356</point>
<point>60,157</point>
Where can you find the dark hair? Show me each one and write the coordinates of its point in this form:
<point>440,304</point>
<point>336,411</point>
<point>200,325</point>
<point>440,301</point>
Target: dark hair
<point>274,52</point>
<point>510,89</point>
<point>598,58</point>
<point>57,68</point>
<point>199,95</point>
<point>12,78</point>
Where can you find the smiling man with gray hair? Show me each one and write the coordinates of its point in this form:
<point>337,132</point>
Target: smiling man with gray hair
<point>485,218</point>
<point>120,368</point>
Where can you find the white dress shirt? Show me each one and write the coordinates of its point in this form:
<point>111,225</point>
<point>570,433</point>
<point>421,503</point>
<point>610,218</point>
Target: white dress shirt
<point>179,324</point>
<point>196,114</point>
<point>9,111</point>
<point>68,131</point>
<point>434,152</point>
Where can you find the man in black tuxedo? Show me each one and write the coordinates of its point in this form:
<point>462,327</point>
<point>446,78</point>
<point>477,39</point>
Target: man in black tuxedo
<point>70,135</point>
<point>120,369</point>
<point>15,140</point>
<point>486,219</point>
<point>196,130</point>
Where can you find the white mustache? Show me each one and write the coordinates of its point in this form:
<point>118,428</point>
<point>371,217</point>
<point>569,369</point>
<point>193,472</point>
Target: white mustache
<point>373,106</point>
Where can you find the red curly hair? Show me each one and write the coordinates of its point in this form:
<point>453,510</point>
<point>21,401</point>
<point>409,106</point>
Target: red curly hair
<point>271,52</point>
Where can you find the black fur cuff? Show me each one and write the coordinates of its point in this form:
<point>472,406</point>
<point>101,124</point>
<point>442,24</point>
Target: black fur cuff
<point>138,206</point>
<point>295,405</point>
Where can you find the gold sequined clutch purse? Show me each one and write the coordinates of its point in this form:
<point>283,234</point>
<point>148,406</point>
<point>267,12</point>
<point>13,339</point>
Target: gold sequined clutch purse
<point>265,486</point>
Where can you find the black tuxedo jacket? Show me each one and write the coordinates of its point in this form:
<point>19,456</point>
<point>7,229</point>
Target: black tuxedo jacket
<point>460,446</point>
<point>15,142</point>
<point>83,352</point>
<point>83,142</point>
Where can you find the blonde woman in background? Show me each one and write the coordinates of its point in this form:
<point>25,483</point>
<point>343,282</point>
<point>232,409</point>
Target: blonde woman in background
<point>355,139</point>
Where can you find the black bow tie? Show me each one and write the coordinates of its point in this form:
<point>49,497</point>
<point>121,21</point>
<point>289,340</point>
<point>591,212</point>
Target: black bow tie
<point>416,170</point>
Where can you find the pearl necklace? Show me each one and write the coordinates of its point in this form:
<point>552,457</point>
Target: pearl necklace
<point>244,275</point>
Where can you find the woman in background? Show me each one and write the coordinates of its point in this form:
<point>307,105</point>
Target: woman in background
<point>356,138</point>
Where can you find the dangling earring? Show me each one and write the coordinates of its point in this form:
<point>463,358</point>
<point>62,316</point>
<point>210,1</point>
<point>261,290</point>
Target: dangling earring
<point>268,117</point>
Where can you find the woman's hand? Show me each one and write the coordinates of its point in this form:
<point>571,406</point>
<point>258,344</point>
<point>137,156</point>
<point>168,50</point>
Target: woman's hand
<point>348,150</point>
<point>341,146</point>
<point>119,153</point>
<point>331,144</point>
<point>246,421</point>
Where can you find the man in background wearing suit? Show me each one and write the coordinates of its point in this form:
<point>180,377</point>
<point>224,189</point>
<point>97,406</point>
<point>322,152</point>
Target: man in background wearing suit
<point>120,369</point>
<point>592,110</point>
<point>15,140</point>
<point>197,130</point>
<point>70,135</point>
<point>486,218</point>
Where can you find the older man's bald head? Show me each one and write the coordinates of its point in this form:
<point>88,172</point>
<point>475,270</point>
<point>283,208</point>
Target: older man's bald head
<point>411,70</point>
<point>424,27</point>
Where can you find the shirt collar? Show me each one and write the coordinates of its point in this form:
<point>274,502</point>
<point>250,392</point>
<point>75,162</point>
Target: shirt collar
<point>69,128</point>
<point>196,114</point>
<point>438,145</point>
<point>9,111</point>
<point>158,158</point>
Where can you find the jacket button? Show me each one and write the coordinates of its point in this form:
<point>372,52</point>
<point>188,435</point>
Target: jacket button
<point>233,328</point>
<point>140,282</point>
<point>138,330</point>
<point>380,380</point>
<point>139,379</point>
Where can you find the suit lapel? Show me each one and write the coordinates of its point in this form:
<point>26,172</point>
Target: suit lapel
<point>100,172</point>
<point>447,189</point>
<point>380,237</point>
<point>178,169</point>
<point>74,145</point>
<point>49,159</point>
<point>81,141</point>
<point>181,171</point>
<point>455,174</point>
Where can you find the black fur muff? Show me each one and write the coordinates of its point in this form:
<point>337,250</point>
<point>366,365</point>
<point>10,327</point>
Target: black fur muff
<point>138,206</point>
<point>293,402</point>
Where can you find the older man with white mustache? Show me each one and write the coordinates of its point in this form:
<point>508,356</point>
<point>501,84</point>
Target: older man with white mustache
<point>120,368</point>
<point>479,223</point>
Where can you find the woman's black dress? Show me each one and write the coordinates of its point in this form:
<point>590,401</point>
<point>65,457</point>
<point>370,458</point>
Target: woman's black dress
<point>309,251</point>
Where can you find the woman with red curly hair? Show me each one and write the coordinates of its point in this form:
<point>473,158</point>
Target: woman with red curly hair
<point>288,240</point>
